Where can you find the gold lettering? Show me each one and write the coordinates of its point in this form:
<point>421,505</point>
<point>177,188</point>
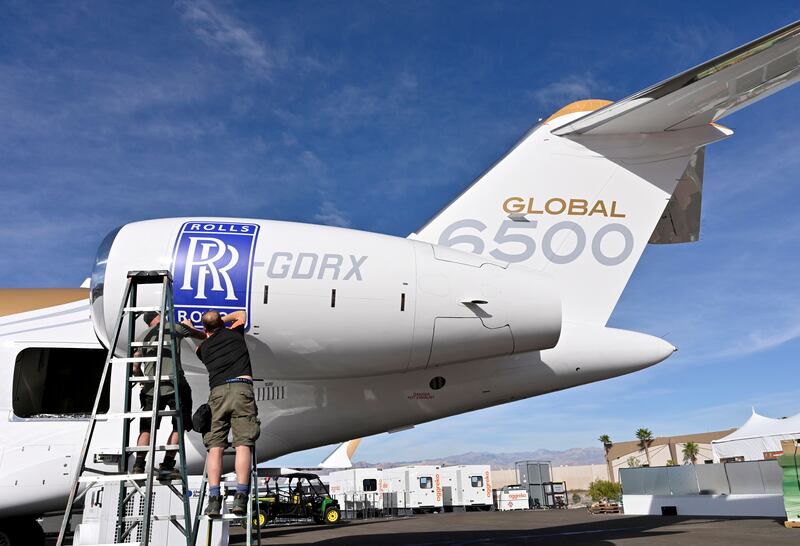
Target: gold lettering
<point>532,210</point>
<point>514,204</point>
<point>578,207</point>
<point>599,208</point>
<point>555,200</point>
<point>558,205</point>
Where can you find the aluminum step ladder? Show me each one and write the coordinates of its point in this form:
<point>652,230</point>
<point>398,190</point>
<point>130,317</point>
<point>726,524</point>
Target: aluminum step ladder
<point>132,485</point>
<point>253,516</point>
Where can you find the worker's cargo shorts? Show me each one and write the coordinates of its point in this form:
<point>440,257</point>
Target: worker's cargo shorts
<point>233,407</point>
<point>168,400</point>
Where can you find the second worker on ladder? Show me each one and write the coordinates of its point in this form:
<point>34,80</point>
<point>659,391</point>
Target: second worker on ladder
<point>166,470</point>
<point>232,402</point>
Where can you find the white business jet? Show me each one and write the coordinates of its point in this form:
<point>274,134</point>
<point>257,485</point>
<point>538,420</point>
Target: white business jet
<point>503,295</point>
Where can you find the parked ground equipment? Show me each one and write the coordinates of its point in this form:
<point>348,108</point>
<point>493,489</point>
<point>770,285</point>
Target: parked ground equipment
<point>297,495</point>
<point>512,497</point>
<point>555,494</point>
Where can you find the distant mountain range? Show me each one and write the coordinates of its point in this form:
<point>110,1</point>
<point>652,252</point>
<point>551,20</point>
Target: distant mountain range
<point>574,456</point>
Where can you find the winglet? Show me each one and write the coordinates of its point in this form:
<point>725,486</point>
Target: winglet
<point>342,456</point>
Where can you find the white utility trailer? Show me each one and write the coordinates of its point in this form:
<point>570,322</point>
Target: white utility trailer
<point>358,489</point>
<point>467,487</point>
<point>416,487</point>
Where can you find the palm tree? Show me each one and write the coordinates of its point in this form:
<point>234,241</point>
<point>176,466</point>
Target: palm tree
<point>606,440</point>
<point>645,439</point>
<point>690,452</point>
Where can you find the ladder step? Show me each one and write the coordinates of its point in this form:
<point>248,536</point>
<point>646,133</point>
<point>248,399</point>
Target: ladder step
<point>224,516</point>
<point>158,517</point>
<point>112,478</point>
<point>149,277</point>
<point>143,309</point>
<point>148,343</point>
<point>148,378</point>
<point>134,415</point>
<point>145,449</point>
<point>125,360</point>
<point>119,544</point>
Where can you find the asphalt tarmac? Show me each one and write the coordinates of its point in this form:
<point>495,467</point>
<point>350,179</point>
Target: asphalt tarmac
<point>574,526</point>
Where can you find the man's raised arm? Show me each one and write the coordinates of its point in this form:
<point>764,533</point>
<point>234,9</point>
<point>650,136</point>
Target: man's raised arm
<point>186,329</point>
<point>235,319</point>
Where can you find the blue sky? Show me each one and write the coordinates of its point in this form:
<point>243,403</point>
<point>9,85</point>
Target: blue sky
<point>373,115</point>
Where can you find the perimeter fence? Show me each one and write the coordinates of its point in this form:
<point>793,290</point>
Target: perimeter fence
<point>742,478</point>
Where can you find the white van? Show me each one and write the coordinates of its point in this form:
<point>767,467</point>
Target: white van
<point>416,487</point>
<point>467,487</point>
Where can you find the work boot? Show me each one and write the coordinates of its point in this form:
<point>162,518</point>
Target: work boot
<point>214,508</point>
<point>167,471</point>
<point>239,507</point>
<point>138,467</point>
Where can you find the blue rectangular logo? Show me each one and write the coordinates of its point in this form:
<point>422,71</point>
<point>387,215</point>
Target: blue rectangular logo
<point>211,268</point>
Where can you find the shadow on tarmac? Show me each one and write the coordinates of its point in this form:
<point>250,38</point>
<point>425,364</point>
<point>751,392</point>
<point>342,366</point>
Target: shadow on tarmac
<point>600,531</point>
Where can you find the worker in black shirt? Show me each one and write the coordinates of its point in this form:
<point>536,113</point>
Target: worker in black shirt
<point>232,402</point>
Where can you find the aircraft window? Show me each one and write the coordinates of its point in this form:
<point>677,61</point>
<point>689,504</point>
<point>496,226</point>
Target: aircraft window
<point>370,485</point>
<point>477,481</point>
<point>425,482</point>
<point>58,382</point>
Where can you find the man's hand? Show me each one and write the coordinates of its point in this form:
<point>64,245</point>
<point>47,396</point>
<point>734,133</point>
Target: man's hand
<point>191,330</point>
<point>237,318</point>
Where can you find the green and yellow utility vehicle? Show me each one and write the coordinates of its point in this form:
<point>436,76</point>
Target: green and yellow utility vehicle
<point>296,495</point>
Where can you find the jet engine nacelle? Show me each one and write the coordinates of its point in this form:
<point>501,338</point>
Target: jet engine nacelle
<point>331,302</point>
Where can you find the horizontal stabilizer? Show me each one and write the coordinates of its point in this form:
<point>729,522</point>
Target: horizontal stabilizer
<point>702,94</point>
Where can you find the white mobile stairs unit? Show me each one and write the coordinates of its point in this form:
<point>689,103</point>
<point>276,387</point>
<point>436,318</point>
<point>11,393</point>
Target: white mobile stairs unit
<point>467,487</point>
<point>98,525</point>
<point>418,488</point>
<point>359,490</point>
<point>133,514</point>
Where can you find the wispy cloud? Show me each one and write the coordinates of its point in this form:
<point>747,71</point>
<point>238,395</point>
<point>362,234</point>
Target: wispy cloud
<point>683,46</point>
<point>222,30</point>
<point>569,89</point>
<point>332,215</point>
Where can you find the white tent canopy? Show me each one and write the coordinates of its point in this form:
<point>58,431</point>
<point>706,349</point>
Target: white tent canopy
<point>758,436</point>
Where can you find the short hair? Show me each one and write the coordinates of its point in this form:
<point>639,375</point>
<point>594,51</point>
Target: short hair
<point>212,321</point>
<point>149,317</point>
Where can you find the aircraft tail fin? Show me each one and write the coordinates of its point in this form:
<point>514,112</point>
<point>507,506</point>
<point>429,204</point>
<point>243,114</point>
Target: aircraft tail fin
<point>342,456</point>
<point>583,192</point>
